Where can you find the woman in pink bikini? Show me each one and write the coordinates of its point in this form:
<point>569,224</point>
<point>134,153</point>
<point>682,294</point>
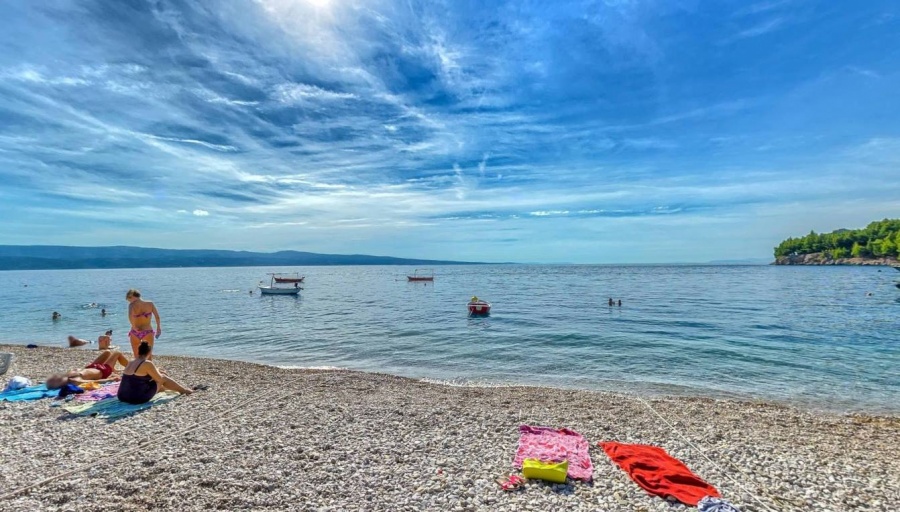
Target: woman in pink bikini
<point>139,313</point>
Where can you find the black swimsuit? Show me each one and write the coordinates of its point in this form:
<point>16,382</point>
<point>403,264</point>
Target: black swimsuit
<point>135,389</point>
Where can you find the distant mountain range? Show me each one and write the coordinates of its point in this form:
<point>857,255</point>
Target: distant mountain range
<point>46,257</point>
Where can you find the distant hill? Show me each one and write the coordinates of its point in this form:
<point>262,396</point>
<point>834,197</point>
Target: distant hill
<point>45,257</point>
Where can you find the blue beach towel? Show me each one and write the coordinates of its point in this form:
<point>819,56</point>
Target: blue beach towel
<point>29,393</point>
<point>111,408</point>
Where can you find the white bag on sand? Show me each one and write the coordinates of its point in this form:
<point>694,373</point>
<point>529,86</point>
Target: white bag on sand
<point>17,382</point>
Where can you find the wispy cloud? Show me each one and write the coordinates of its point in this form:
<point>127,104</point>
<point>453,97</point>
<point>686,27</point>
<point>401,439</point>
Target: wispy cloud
<point>759,29</point>
<point>514,131</point>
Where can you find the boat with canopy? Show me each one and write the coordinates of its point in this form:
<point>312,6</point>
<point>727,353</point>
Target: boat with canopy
<point>279,287</point>
<point>421,274</point>
<point>289,278</point>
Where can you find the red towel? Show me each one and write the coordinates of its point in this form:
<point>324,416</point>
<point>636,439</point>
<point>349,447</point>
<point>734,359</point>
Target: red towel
<point>659,473</point>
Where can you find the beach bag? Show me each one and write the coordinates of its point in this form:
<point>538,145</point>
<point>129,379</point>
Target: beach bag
<point>543,470</point>
<point>17,383</point>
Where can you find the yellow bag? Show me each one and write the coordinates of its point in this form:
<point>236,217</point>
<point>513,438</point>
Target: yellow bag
<point>550,471</point>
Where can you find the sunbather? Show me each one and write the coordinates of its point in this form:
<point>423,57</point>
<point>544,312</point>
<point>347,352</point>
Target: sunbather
<point>77,342</point>
<point>141,379</point>
<point>100,370</point>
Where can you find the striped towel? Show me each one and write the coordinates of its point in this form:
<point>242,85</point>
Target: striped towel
<point>112,408</point>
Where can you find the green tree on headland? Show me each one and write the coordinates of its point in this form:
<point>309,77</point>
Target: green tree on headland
<point>878,239</point>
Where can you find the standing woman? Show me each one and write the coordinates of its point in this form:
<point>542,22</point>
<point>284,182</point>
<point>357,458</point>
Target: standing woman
<point>139,313</point>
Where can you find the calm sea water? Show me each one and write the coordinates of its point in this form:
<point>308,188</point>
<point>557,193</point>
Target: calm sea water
<point>806,335</point>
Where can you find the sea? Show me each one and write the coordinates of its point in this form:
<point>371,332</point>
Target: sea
<point>824,338</point>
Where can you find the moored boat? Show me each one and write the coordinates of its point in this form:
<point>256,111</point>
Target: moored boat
<point>275,289</point>
<point>478,307</point>
<point>426,275</point>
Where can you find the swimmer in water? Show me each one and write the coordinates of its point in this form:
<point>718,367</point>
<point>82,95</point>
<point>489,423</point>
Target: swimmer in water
<point>103,312</point>
<point>56,316</point>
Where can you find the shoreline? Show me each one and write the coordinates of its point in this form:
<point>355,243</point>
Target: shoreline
<point>264,437</point>
<point>620,388</point>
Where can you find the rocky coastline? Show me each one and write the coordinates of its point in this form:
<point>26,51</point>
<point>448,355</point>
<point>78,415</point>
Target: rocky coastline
<point>819,258</point>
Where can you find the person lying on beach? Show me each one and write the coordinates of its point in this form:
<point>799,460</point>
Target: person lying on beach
<point>103,341</point>
<point>141,379</point>
<point>77,342</point>
<point>99,370</point>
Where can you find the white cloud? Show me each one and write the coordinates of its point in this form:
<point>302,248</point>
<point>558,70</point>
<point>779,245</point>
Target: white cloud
<point>296,93</point>
<point>760,29</point>
<point>201,213</point>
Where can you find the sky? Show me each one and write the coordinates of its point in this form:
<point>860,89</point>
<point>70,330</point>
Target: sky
<point>612,131</point>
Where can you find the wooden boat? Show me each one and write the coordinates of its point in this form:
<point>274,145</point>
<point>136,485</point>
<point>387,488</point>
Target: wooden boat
<point>478,307</point>
<point>427,275</point>
<point>275,289</point>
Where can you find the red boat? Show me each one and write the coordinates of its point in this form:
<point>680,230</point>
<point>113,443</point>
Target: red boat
<point>478,307</point>
<point>427,275</point>
<point>289,279</point>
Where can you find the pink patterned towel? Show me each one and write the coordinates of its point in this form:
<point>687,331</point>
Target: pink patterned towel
<point>109,390</point>
<point>556,445</point>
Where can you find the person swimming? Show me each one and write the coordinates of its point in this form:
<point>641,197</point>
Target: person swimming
<point>100,370</point>
<point>103,312</point>
<point>56,316</point>
<point>139,314</point>
<point>141,379</point>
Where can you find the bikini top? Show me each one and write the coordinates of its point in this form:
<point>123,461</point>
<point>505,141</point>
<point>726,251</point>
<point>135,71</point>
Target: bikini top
<point>145,315</point>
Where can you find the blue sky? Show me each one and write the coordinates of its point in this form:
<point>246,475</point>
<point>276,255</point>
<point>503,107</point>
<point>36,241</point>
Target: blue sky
<point>588,132</point>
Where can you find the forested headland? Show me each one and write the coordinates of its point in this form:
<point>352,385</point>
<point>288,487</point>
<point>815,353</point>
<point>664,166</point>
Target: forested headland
<point>877,243</point>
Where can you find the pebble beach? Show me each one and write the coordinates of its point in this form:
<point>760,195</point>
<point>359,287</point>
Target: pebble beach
<point>266,438</point>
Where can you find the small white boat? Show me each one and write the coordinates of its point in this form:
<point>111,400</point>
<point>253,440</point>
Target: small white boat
<point>276,288</point>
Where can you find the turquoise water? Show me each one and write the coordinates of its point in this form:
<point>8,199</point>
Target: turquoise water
<point>805,335</point>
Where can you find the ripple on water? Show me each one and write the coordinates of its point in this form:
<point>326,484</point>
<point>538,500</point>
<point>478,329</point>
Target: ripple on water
<point>809,335</point>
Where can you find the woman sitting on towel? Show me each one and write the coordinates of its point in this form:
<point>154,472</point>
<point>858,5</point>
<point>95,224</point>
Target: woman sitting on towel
<point>141,380</point>
<point>98,371</point>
